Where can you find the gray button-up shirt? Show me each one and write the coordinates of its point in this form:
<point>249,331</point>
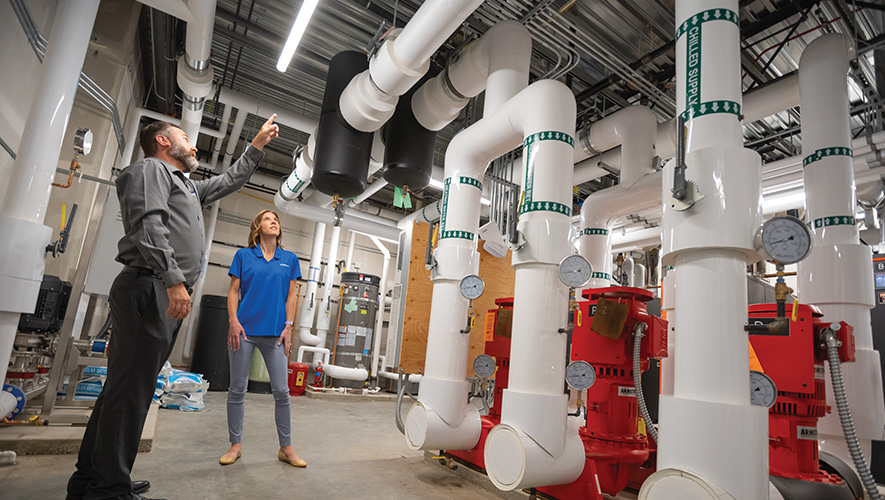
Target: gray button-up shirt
<point>163,217</point>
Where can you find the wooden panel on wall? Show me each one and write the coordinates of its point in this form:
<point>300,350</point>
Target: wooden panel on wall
<point>495,272</point>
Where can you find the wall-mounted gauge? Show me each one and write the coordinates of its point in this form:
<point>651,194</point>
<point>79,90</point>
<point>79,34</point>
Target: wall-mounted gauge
<point>580,375</point>
<point>762,389</point>
<point>783,240</point>
<point>472,286</point>
<point>575,271</point>
<point>484,366</point>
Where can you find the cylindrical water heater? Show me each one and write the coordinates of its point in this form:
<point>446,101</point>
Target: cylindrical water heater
<point>356,324</point>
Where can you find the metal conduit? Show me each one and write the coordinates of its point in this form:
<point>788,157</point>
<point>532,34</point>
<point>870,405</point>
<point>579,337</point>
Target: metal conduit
<point>38,42</point>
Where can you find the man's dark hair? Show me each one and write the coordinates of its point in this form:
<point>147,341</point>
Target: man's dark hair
<point>148,136</point>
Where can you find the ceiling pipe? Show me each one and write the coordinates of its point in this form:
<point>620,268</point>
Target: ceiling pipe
<point>25,237</point>
<point>838,275</point>
<point>502,56</point>
<point>252,105</point>
<point>710,244</point>
<point>355,220</point>
<point>370,98</point>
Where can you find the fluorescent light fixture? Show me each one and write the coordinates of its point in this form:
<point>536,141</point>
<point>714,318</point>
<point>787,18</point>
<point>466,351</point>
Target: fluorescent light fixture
<point>485,201</point>
<point>298,28</point>
<point>436,184</point>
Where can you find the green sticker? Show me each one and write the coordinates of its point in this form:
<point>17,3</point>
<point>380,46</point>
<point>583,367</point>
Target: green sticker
<point>350,306</point>
<point>593,231</point>
<point>822,153</point>
<point>530,145</point>
<point>604,276</point>
<point>470,181</point>
<point>545,206</point>
<point>711,108</point>
<point>464,235</point>
<point>445,204</point>
<point>707,15</point>
<point>833,220</point>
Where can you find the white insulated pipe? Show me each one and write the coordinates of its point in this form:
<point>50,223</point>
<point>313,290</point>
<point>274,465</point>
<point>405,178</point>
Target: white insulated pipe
<point>25,237</point>
<point>323,355</point>
<point>309,307</point>
<point>324,317</point>
<point>354,219</point>
<point>382,292</point>
<point>370,98</point>
<point>534,445</point>
<point>350,246</point>
<point>837,276</point>
<point>710,245</point>
<point>497,62</point>
<point>634,128</point>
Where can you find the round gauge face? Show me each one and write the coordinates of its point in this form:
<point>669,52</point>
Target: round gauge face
<point>580,375</point>
<point>785,240</point>
<point>484,366</point>
<point>575,271</point>
<point>762,389</point>
<point>472,286</point>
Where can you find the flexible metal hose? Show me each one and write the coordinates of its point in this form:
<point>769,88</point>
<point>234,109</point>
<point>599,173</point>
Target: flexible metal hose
<point>845,417</point>
<point>399,403</point>
<point>638,333</point>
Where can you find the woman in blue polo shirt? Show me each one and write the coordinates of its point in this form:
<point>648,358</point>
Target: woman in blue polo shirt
<point>261,310</point>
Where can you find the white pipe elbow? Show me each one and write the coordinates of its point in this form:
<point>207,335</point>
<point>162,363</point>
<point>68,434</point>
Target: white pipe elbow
<point>343,373</point>
<point>8,403</point>
<point>426,429</point>
<point>515,461</point>
<point>634,129</point>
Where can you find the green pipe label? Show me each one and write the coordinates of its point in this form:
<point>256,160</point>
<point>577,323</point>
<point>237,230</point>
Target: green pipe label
<point>707,15</point>
<point>833,220</point>
<point>471,182</point>
<point>297,186</point>
<point>710,108</point>
<point>692,27</point>
<point>464,235</point>
<point>530,146</point>
<point>593,231</point>
<point>822,153</point>
<point>445,205</point>
<point>604,276</point>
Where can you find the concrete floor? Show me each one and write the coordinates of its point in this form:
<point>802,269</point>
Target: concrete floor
<point>353,450</point>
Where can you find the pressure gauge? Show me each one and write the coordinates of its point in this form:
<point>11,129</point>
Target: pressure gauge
<point>484,366</point>
<point>580,375</point>
<point>472,286</point>
<point>575,271</point>
<point>762,389</point>
<point>83,141</point>
<point>783,240</point>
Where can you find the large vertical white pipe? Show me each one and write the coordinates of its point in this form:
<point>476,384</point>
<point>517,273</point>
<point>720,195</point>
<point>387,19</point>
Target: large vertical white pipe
<point>309,307</point>
<point>194,71</point>
<point>382,292</point>
<point>838,275</point>
<point>324,317</point>
<point>350,245</point>
<point>30,184</point>
<point>710,245</point>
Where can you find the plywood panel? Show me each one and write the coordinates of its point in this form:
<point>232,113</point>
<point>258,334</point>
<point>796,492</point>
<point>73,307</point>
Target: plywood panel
<point>499,281</point>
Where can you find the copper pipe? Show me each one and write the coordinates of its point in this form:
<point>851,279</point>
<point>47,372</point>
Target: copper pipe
<point>75,165</point>
<point>793,273</point>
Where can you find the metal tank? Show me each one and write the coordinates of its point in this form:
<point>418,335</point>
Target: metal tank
<point>356,323</point>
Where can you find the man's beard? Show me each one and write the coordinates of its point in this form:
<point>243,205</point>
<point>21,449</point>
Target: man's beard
<point>184,156</point>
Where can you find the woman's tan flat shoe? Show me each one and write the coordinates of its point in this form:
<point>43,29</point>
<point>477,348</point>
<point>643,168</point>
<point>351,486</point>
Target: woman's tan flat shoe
<point>227,459</point>
<point>294,463</point>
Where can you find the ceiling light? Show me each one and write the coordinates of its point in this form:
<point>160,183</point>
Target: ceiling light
<point>298,28</point>
<point>436,184</point>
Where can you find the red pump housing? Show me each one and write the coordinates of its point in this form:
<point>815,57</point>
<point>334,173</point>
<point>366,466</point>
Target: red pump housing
<point>794,360</point>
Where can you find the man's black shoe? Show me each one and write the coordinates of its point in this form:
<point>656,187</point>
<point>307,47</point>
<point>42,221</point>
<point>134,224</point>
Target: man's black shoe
<point>139,487</point>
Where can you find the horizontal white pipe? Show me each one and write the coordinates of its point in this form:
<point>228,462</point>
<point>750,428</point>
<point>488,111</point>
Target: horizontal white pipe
<point>371,189</point>
<point>319,350</point>
<point>635,129</point>
<point>414,377</point>
<point>249,104</point>
<point>369,100</point>
<point>496,63</point>
<point>133,129</point>
<point>355,220</point>
<point>344,373</point>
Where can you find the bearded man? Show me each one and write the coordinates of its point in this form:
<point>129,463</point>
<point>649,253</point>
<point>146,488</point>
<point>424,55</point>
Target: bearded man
<point>162,250</point>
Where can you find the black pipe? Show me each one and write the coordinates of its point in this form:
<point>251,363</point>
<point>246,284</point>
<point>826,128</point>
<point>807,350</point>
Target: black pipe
<point>408,153</point>
<point>341,162</point>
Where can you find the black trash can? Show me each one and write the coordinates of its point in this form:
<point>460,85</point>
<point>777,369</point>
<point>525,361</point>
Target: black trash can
<point>210,354</point>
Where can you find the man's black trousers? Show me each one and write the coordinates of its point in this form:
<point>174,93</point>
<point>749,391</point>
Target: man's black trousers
<point>142,337</point>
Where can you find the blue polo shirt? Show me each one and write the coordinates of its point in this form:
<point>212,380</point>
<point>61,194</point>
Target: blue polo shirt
<point>264,286</point>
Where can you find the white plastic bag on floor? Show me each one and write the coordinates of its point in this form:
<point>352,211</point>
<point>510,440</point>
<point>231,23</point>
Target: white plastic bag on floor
<point>178,389</point>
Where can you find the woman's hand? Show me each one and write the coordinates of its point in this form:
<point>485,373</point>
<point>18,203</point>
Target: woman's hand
<point>286,339</point>
<point>233,335</point>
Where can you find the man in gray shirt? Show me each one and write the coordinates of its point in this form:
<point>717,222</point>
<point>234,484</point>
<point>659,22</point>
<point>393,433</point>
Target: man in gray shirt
<point>162,251</point>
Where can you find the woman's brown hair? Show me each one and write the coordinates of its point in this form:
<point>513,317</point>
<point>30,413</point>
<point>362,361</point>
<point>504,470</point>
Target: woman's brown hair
<point>255,233</point>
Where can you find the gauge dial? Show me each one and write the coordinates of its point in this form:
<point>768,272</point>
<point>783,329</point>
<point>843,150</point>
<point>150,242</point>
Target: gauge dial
<point>484,366</point>
<point>575,271</point>
<point>580,375</point>
<point>784,240</point>
<point>762,389</point>
<point>472,286</point>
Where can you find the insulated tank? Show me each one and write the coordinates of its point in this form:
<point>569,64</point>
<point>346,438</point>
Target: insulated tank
<point>408,153</point>
<point>356,324</point>
<point>341,160</point>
